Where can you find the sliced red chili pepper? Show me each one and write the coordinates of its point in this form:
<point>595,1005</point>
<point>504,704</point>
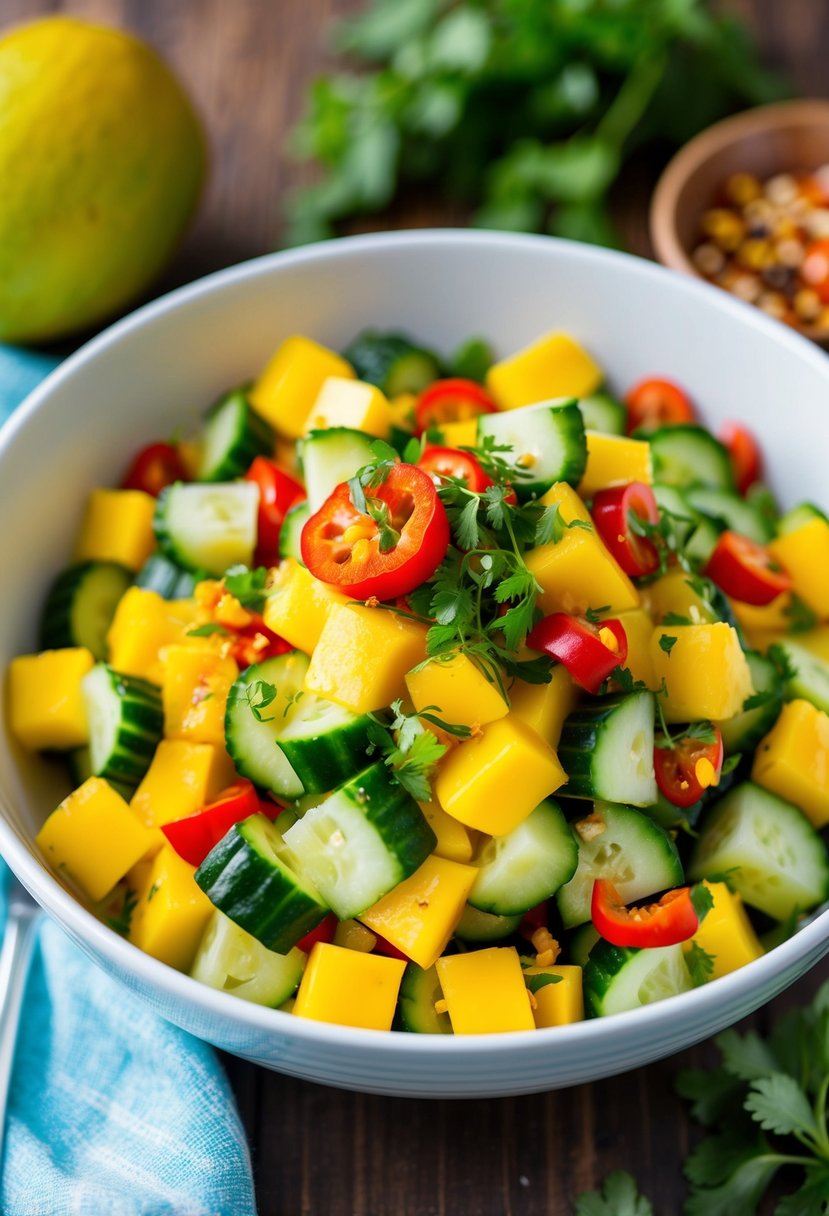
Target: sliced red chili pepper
<point>278,492</point>
<point>814,268</point>
<point>194,836</point>
<point>653,403</point>
<point>744,452</point>
<point>247,645</point>
<point>451,462</point>
<point>688,766</point>
<point>451,401</point>
<point>386,551</point>
<point>155,467</point>
<point>746,571</point>
<point>324,932</point>
<point>612,512</point>
<point>669,921</point>
<point>589,652</point>
<point>534,919</point>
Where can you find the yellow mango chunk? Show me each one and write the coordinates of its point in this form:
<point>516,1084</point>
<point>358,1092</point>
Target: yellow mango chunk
<point>401,411</point>
<point>349,988</point>
<point>290,383</point>
<point>765,624</point>
<point>454,840</point>
<point>577,573</point>
<point>143,625</point>
<point>560,1003</point>
<point>94,837</point>
<point>363,655</point>
<point>726,933</point>
<point>45,703</point>
<point>638,627</point>
<point>553,366</point>
<point>171,911</point>
<point>353,403</point>
<point>117,527</point>
<point>705,671</point>
<point>298,605</point>
<point>460,690</point>
<point>183,776</point>
<point>804,553</point>
<point>673,592</point>
<point>570,504</point>
<point>462,434</point>
<point>793,760</point>
<point>194,693</point>
<point>420,914</point>
<point>543,707</point>
<point>485,991</point>
<point>493,782</point>
<point>613,460</point>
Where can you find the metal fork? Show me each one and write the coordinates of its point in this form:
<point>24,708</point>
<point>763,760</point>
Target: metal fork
<point>15,956</point>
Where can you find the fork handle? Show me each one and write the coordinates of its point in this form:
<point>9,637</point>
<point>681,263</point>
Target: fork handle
<point>15,957</point>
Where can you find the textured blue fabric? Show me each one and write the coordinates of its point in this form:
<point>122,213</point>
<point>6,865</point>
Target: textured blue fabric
<point>112,1110</point>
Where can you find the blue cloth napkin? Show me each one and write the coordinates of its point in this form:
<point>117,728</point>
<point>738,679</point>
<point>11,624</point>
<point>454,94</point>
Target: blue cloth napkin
<point>112,1110</point>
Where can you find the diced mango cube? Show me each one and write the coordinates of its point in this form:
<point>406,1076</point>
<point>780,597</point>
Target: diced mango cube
<point>458,688</point>
<point>454,840</point>
<point>290,383</point>
<point>349,988</point>
<point>726,933</point>
<point>613,460</point>
<point>804,553</point>
<point>46,706</point>
<point>793,760</point>
<point>94,837</point>
<point>570,504</point>
<point>420,914</point>
<point>493,782</point>
<point>461,434</point>
<point>143,625</point>
<point>638,627</point>
<point>347,402</point>
<point>558,1003</point>
<point>578,572</point>
<point>485,991</point>
<point>171,911</point>
<point>705,671</point>
<point>363,655</point>
<point>194,693</point>
<point>183,776</point>
<point>674,593</point>
<point>545,706</point>
<point>117,527</point>
<point>553,366</point>
<point>762,625</point>
<point>298,605</point>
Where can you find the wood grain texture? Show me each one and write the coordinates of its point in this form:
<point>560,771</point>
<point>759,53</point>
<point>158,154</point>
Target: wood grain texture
<point>321,1152</point>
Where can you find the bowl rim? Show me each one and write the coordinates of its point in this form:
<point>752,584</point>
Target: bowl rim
<point>73,918</point>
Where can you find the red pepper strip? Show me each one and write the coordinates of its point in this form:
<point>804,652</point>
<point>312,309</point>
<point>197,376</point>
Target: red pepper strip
<point>535,918</point>
<point>744,452</point>
<point>746,571</point>
<point>589,652</point>
<point>387,552</point>
<point>155,467</point>
<point>246,645</point>
<point>278,492</point>
<point>453,400</point>
<point>450,462</point>
<point>612,511</point>
<point>654,403</point>
<point>324,932</point>
<point>671,920</point>
<point>687,769</point>
<point>194,837</point>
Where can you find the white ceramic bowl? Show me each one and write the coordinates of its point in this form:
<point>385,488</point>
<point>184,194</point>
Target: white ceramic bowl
<point>158,368</point>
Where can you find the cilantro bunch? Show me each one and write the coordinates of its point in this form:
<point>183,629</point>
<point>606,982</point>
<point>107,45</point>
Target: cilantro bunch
<point>522,111</point>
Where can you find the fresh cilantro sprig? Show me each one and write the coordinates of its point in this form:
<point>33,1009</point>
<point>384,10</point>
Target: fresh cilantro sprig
<point>408,748</point>
<point>259,695</point>
<point>618,1196</point>
<point>249,587</point>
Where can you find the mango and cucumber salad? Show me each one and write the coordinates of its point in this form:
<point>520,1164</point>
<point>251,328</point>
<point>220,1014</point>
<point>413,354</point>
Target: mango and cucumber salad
<point>445,695</point>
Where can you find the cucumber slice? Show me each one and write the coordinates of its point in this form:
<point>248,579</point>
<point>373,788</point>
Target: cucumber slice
<point>604,413</point>
<point>606,749</point>
<point>208,527</point>
<point>626,847</point>
<point>80,768</point>
<point>324,742</point>
<point>687,455</point>
<point>810,681</point>
<point>419,990</point>
<point>477,926</point>
<point>701,543</point>
<point>580,942</point>
<point>331,457</point>
<point>547,440</point>
<point>231,960</point>
<point>166,578</point>
<point>732,511</point>
<point>519,870</point>
<point>80,606</point>
<point>126,723</point>
<point>672,502</point>
<point>618,978</point>
<point>802,514</point>
<point>767,850</point>
<point>363,840</point>
<point>743,732</point>
<point>234,434</point>
<point>291,531</point>
<point>393,362</point>
<point>249,876</point>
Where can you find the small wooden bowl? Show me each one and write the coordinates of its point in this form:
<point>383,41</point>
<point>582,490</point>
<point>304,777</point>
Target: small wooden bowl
<point>788,136</point>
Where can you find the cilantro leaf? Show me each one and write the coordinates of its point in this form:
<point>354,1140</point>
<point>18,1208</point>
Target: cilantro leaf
<point>466,524</point>
<point>536,982</point>
<point>259,695</point>
<point>747,1056</point>
<point>700,964</point>
<point>247,586</point>
<point>667,643</point>
<point>740,1194</point>
<point>208,630</point>
<point>712,1092</point>
<point>779,1105</point>
<point>619,1196</point>
<point>811,1199</point>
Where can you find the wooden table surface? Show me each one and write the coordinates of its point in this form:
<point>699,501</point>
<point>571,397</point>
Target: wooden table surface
<point>317,1151</point>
